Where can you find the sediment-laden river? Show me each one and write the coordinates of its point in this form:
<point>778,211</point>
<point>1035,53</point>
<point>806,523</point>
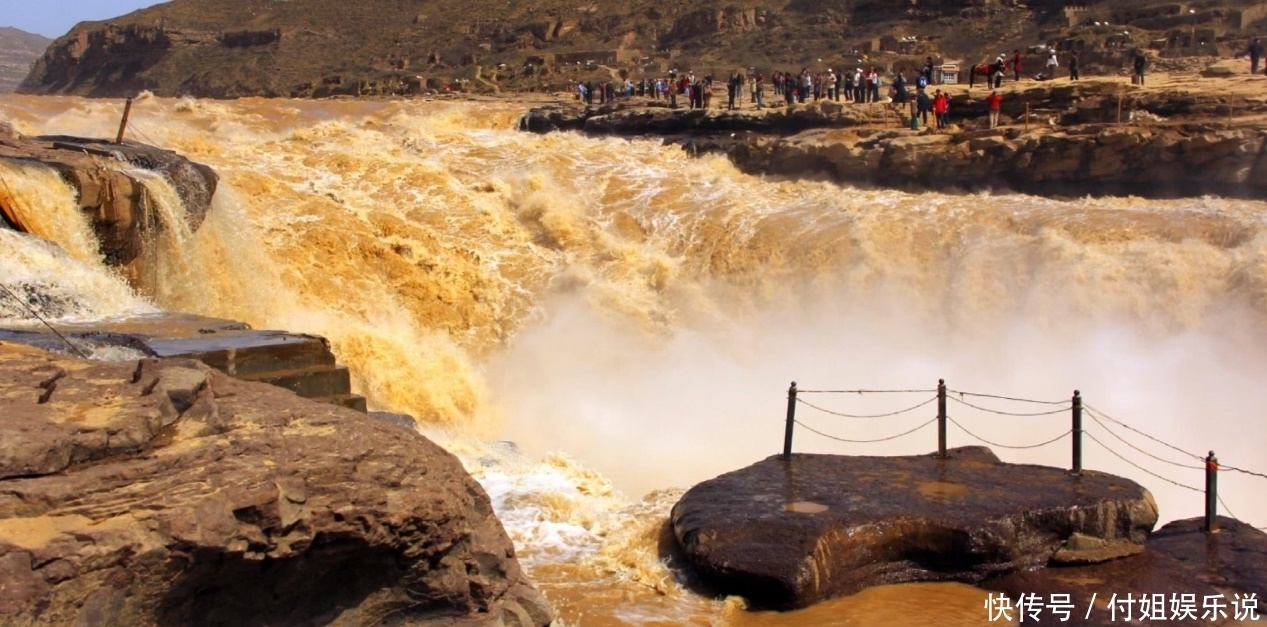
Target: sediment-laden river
<point>631,317</point>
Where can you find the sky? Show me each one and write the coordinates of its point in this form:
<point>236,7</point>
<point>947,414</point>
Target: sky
<point>54,18</point>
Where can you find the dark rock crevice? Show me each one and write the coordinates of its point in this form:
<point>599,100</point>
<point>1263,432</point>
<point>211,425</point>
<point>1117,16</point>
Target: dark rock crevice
<point>225,589</point>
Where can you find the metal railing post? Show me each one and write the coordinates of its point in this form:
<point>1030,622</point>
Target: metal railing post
<point>791,421</point>
<point>1211,493</point>
<point>941,418</point>
<point>123,124</point>
<point>1077,432</point>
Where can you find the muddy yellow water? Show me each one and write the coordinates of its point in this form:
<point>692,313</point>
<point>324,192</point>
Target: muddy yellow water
<point>631,317</point>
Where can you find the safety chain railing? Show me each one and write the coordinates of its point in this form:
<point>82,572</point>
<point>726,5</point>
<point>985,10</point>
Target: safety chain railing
<point>1074,406</point>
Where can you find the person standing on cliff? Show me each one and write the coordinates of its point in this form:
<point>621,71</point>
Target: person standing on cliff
<point>1073,66</point>
<point>923,105</point>
<point>1141,62</point>
<point>1016,64</point>
<point>899,88</point>
<point>1255,53</point>
<point>995,102</point>
<point>941,109</point>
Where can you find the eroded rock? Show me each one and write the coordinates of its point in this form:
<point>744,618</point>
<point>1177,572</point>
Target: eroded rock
<point>1235,557</point>
<point>172,494</point>
<point>786,534</point>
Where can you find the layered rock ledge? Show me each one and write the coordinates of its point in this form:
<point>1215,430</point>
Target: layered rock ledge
<point>162,492</point>
<point>1067,139</point>
<point>1094,159</point>
<point>788,533</point>
<point>114,200</point>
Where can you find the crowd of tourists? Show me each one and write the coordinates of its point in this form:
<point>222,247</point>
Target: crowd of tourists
<point>785,88</point>
<point>860,85</point>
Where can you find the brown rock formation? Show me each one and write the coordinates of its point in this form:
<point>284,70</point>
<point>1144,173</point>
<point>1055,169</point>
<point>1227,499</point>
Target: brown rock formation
<point>1180,559</point>
<point>227,48</point>
<point>786,534</point>
<point>166,493</point>
<point>1234,558</point>
<point>1186,160</point>
<point>18,50</point>
<point>1172,142</point>
<point>114,200</point>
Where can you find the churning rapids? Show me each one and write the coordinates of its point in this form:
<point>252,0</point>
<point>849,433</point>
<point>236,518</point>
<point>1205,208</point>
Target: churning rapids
<point>631,316</point>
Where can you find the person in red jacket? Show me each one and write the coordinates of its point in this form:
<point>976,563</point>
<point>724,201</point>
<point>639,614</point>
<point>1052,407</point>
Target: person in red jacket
<point>941,107</point>
<point>995,101</point>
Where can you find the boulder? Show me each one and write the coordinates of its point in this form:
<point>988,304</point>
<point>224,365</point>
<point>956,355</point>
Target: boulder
<point>1226,68</point>
<point>114,199</point>
<point>167,493</point>
<point>1178,560</point>
<point>1234,558</point>
<point>788,533</point>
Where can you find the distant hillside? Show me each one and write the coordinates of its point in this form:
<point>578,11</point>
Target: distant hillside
<point>227,48</point>
<point>18,49</point>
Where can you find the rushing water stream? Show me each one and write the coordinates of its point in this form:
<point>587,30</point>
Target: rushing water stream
<point>630,317</point>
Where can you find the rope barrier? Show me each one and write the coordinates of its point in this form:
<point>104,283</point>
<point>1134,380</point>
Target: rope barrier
<point>1007,413</point>
<point>1006,398</point>
<point>894,437</point>
<point>1095,412</point>
<point>1233,515</point>
<point>1100,418</point>
<point>1017,448</point>
<point>865,416</point>
<point>136,129</point>
<point>30,309</point>
<point>1137,466</point>
<point>1140,450</point>
<point>1242,471</point>
<point>866,391</point>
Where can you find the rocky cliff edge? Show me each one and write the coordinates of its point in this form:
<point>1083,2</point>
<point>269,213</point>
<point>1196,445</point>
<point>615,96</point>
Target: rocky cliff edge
<point>166,493</point>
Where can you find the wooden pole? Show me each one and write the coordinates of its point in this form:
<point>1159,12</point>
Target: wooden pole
<point>123,124</point>
<point>1027,117</point>
<point>1119,108</point>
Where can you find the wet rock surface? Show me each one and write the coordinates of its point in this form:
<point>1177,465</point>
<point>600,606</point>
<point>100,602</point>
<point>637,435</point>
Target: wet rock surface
<point>166,493</point>
<point>298,362</point>
<point>1234,558</point>
<point>1179,561</point>
<point>786,534</point>
<point>113,199</point>
<point>1134,591</point>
